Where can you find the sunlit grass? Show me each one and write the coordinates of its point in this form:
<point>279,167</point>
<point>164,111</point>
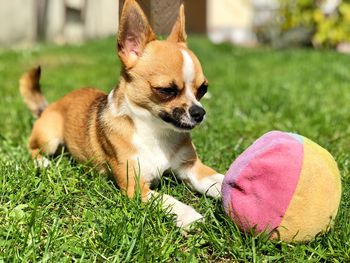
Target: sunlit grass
<point>71,212</point>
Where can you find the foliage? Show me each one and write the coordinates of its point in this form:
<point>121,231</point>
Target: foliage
<point>329,29</point>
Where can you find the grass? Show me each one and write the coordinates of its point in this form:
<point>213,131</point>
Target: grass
<point>70,212</point>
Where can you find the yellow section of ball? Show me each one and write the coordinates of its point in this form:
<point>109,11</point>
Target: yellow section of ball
<point>316,199</point>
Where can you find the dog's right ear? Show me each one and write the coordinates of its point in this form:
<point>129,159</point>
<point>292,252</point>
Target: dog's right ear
<point>134,33</point>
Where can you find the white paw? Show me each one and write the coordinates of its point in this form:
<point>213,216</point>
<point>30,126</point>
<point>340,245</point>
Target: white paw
<point>187,216</point>
<point>215,184</point>
<point>41,162</point>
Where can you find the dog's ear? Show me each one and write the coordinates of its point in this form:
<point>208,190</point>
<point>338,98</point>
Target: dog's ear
<point>178,33</point>
<point>134,33</point>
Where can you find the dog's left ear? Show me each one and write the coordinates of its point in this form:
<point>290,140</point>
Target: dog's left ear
<point>178,33</point>
<point>134,33</point>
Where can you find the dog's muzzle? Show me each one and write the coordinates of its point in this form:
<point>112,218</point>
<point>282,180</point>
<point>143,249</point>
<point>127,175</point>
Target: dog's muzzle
<point>184,120</point>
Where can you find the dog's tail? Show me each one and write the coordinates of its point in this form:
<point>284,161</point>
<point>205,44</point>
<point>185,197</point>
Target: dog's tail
<point>29,88</point>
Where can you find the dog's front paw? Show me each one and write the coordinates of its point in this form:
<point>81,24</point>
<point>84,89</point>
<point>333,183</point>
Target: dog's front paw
<point>41,162</point>
<point>185,214</point>
<point>187,217</point>
<point>215,184</point>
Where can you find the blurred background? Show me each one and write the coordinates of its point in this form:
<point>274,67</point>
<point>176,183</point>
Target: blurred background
<point>279,23</point>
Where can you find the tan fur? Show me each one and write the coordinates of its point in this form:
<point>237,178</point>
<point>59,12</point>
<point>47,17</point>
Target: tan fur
<point>178,33</point>
<point>162,72</point>
<point>203,170</point>
<point>106,130</point>
<point>31,92</point>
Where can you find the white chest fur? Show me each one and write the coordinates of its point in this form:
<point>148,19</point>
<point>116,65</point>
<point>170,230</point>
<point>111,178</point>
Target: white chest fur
<point>154,142</point>
<point>153,155</point>
<point>157,148</point>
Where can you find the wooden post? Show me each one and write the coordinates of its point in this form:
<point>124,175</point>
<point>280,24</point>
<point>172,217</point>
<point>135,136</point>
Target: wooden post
<point>196,16</point>
<point>162,14</point>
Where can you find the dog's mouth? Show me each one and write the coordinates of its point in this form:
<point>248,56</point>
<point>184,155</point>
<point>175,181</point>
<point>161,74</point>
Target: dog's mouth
<point>178,119</point>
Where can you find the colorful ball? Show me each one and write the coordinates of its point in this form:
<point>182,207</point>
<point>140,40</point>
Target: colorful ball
<point>283,184</point>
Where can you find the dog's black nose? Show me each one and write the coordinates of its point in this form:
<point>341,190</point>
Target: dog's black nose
<point>197,113</point>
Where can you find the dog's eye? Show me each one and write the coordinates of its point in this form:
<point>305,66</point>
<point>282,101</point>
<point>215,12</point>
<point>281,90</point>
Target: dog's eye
<point>202,90</point>
<point>167,93</point>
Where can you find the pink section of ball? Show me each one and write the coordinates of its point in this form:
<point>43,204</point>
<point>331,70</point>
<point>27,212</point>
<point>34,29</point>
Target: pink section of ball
<point>260,184</point>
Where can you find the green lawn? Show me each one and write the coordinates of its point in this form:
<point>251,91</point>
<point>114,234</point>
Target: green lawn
<point>71,212</point>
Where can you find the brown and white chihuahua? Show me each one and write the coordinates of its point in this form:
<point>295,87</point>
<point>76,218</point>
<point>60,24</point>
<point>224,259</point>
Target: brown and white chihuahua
<point>141,128</point>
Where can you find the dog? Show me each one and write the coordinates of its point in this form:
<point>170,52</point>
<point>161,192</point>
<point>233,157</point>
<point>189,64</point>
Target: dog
<point>139,130</point>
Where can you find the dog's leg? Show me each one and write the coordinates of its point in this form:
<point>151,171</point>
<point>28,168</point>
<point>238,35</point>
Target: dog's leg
<point>46,137</point>
<point>128,179</point>
<point>129,182</point>
<point>201,178</point>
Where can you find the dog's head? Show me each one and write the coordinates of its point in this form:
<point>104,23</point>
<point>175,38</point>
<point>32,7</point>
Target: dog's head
<point>163,77</point>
